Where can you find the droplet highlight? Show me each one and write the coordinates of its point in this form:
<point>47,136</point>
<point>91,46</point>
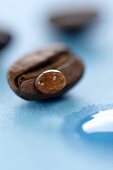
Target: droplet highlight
<point>98,126</point>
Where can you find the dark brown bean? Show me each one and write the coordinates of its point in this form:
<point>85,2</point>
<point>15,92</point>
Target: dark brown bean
<point>45,74</point>
<point>5,37</point>
<point>74,20</point>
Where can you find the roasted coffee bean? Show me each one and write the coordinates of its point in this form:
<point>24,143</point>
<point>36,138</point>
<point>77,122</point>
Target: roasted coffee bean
<point>5,37</point>
<point>45,74</point>
<point>71,21</point>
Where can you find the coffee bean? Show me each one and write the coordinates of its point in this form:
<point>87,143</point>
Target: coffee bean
<point>74,20</point>
<point>45,74</point>
<point>5,37</point>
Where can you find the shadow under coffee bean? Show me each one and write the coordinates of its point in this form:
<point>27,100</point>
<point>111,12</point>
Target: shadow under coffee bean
<point>45,74</point>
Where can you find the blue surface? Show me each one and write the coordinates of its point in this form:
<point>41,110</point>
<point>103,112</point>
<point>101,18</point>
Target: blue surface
<point>42,135</point>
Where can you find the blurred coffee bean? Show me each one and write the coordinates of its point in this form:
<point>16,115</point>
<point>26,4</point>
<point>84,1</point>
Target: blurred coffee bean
<point>5,38</point>
<point>73,20</point>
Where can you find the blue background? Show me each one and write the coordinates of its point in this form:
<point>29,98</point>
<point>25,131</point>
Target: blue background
<point>43,135</point>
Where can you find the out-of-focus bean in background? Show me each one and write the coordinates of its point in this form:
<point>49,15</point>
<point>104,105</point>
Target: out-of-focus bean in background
<point>35,135</point>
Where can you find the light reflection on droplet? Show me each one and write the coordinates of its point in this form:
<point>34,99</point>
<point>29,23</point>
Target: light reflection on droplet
<point>100,122</point>
<point>99,126</point>
<point>54,78</point>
